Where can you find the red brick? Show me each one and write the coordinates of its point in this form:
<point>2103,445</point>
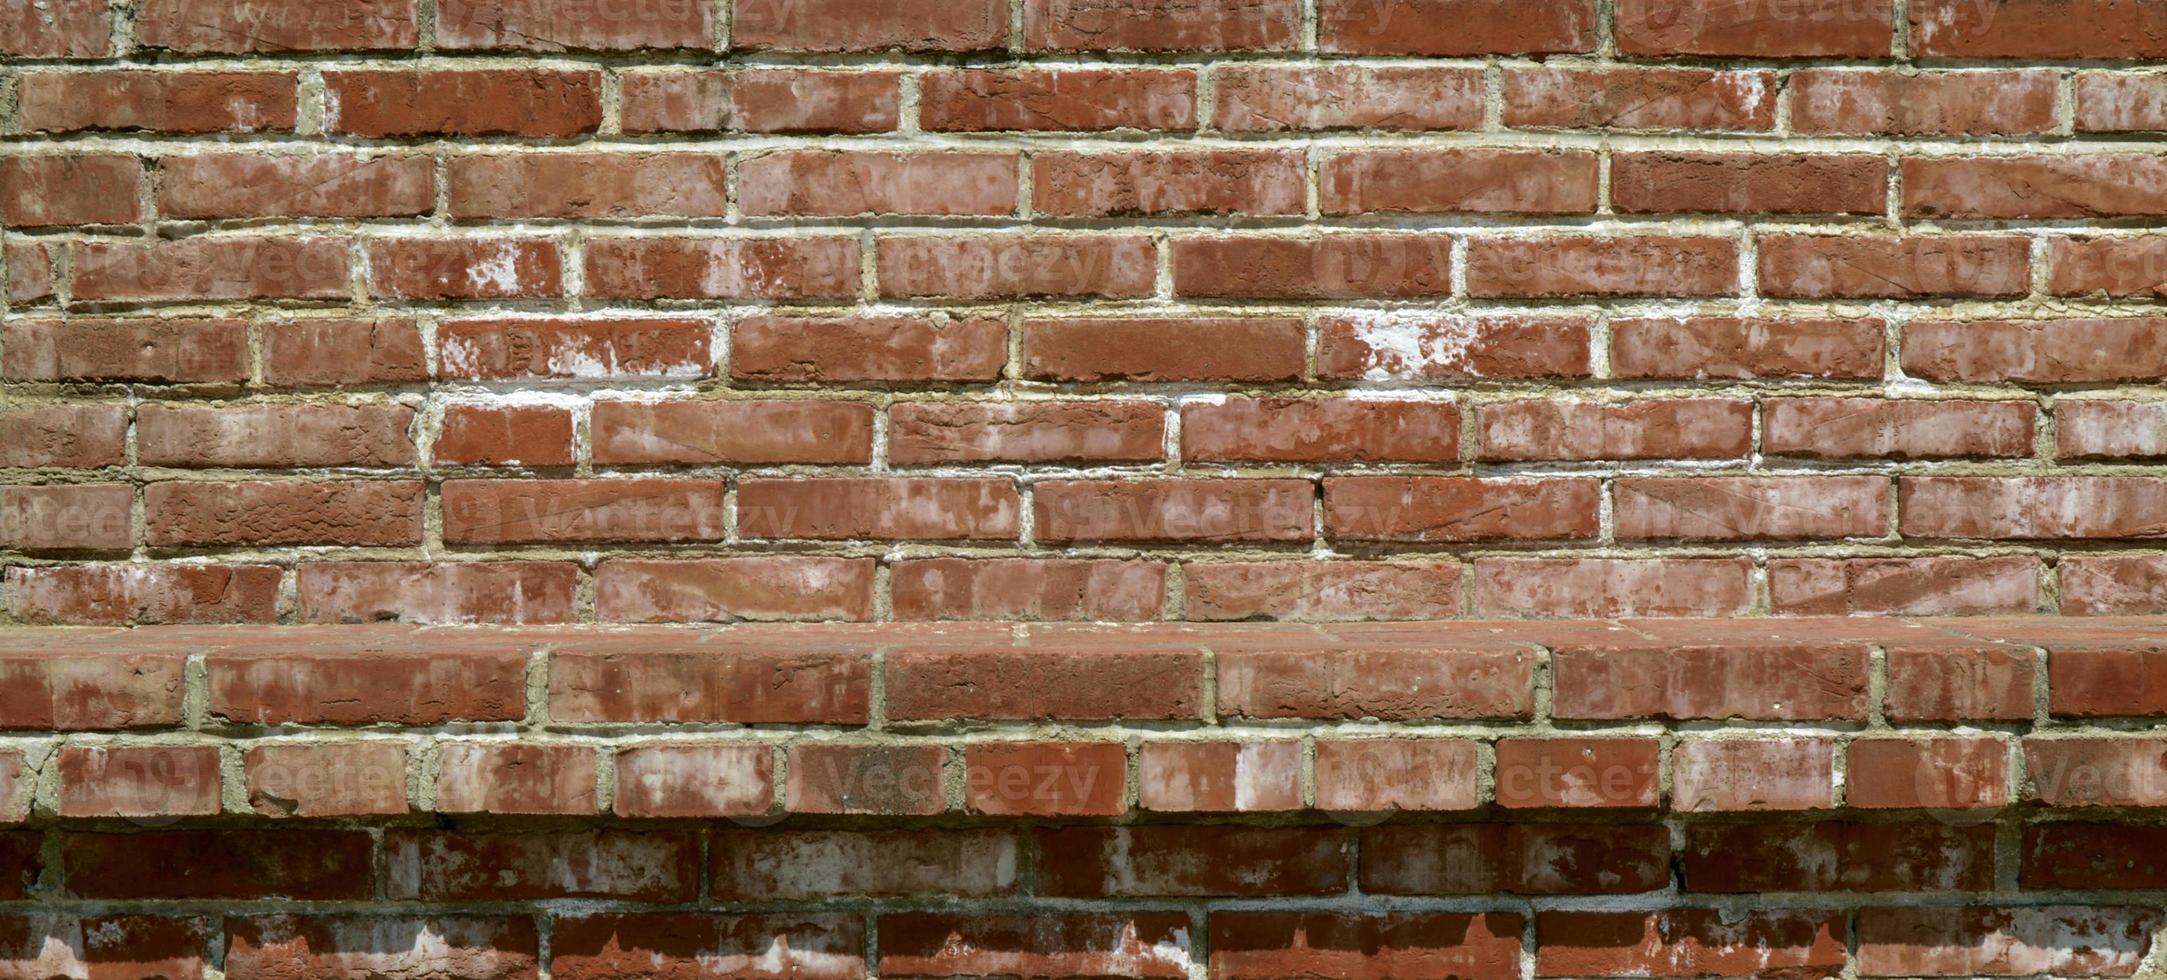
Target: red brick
<point>1875,428</point>
<point>1751,508</point>
<point>788,866</point>
<point>1749,183</point>
<point>515,777</point>
<point>2097,186</point>
<point>419,686</point>
<point>1056,99</point>
<point>927,433</point>
<point>475,102</point>
<point>1607,587</point>
<point>1850,102</point>
<point>855,25</point>
<point>1640,265</point>
<point>29,273</point>
<point>1037,944</point>
<point>1173,510</point>
<point>298,865</point>
<point>1246,349</point>
<point>1928,586</point>
<point>872,348</point>
<point>828,777</point>
<point>1833,856</point>
<point>21,854</point>
<point>1352,266</point>
<point>1401,682</point>
<point>1260,944</point>
<point>1093,185</point>
<point>349,512</point>
<point>1714,683</point>
<point>326,185</point>
<point>63,29</point>
<point>53,189</point>
<point>71,517</point>
<point>2107,429</point>
<point>64,435</point>
<point>275,436</point>
<point>722,268</point>
<point>2114,267</point>
<point>143,595</point>
<point>2120,103</point>
<point>1460,508</point>
<point>1456,27</point>
<point>559,511</point>
<point>1710,775</point>
<point>1577,772</point>
<point>1044,682</point>
<point>2038,29</point>
<point>1690,943</point>
<point>1097,862</point>
<point>462,947</point>
<point>43,688</point>
<point>984,267</point>
<point>1724,27</point>
<point>149,781</point>
<point>112,947</point>
<point>2037,351</point>
<point>2033,507</point>
<point>686,945</point>
<point>1046,778</point>
<point>695,781</point>
<point>1321,591</point>
<point>587,185</point>
<point>2114,585</point>
<point>930,509</point>
<point>1522,859</point>
<point>1220,777</point>
<point>275,26</point>
<point>1040,590</point>
<point>2083,772</point>
<point>754,588</point>
<point>1294,98</point>
<point>646,865</point>
<point>516,435</point>
<point>764,432</point>
<point>782,100</point>
<point>213,269</point>
<point>1456,181</point>
<point>562,25</point>
<point>2072,941</point>
<point>2107,683</point>
<point>833,183</point>
<point>437,270</point>
<point>1424,347</point>
<point>1732,348</point>
<point>1940,684</point>
<point>326,779</point>
<point>745,683</point>
<point>1640,98</point>
<point>187,102</point>
<point>2072,855</point>
<point>1378,775</point>
<point>573,348</point>
<point>342,352</point>
<point>502,593</point>
<point>1938,773</point>
<point>1823,266</point>
<point>1161,25</point>
<point>1666,429</point>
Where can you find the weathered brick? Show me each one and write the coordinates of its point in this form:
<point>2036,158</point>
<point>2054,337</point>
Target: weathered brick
<point>328,512</point>
<point>1044,590</point>
<point>275,436</point>
<point>1698,348</point>
<point>844,508</point>
<point>317,185</point>
<point>1765,774</point>
<point>1015,266</point>
<point>1058,99</point>
<point>466,947</point>
<point>1751,508</point>
<point>868,348</point>
<point>2037,351</point>
<point>1926,586</point>
<point>1690,943</point>
<point>586,185</point>
<point>1638,265</point>
<point>2032,506</point>
<point>545,511</point>
<point>762,432</point>
<point>1352,266</point>
<point>855,25</point>
<point>470,102</point>
<point>932,433</point>
<point>782,100</point>
<point>1455,27</point>
<point>1458,181</point>
<point>1387,774</point>
<point>1220,776</point>
<point>1605,587</point>
<point>518,435</point>
<point>277,26</point>
<point>1218,25</point>
<point>1839,101</point>
<point>1276,98</point>
<point>651,267</point>
<point>144,594</point>
<point>1721,27</point>
<point>1096,862</point>
<point>1402,347</point>
<point>1665,429</point>
<point>53,189</point>
<point>571,25</point>
<point>683,945</point>
<point>749,589</point>
<point>190,102</point>
<point>1640,98</point>
<point>821,183</point>
<point>1215,349</point>
<point>648,865</point>
<point>692,781</point>
<point>1830,266</point>
<point>1247,182</point>
<point>1321,591</point>
<point>1173,510</point>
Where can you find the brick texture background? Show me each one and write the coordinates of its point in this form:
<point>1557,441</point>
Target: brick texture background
<point>1766,394</point>
<point>546,311</point>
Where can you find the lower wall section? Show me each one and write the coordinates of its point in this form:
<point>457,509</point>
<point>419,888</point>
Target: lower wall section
<point>1801,898</point>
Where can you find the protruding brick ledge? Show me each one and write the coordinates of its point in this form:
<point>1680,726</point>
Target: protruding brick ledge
<point>1500,801</point>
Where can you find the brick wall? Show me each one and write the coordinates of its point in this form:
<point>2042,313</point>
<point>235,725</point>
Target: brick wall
<point>536,311</point>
